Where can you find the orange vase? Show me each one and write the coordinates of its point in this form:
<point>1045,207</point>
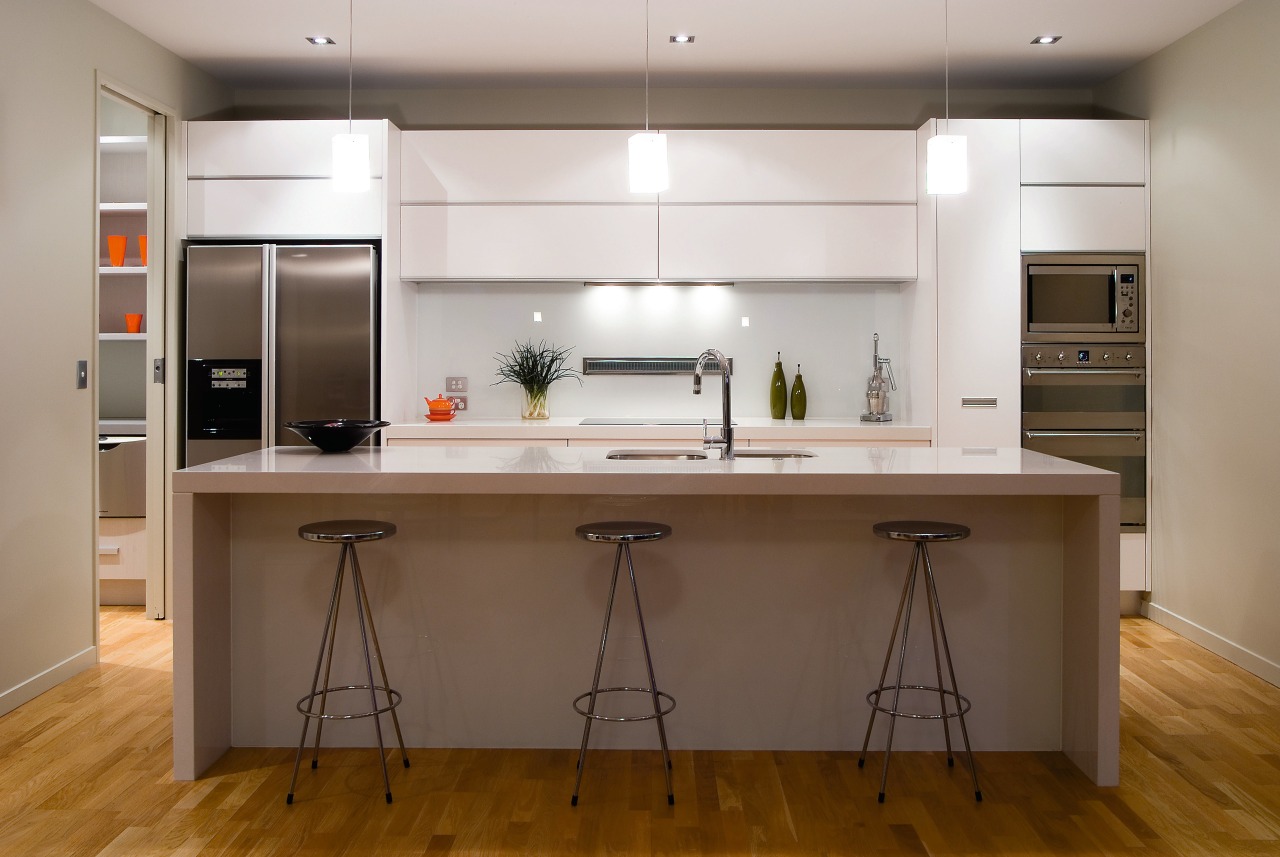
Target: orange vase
<point>115,249</point>
<point>142,249</point>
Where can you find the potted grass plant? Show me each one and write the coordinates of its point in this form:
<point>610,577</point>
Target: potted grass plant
<point>535,368</point>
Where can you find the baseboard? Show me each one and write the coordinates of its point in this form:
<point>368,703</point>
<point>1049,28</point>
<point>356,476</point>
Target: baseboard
<point>50,678</point>
<point>1264,669</point>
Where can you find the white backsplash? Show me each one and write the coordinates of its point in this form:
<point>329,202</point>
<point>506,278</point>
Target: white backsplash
<point>826,328</point>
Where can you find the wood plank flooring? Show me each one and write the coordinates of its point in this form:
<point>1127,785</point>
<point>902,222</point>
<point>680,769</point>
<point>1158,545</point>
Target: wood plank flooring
<point>85,769</point>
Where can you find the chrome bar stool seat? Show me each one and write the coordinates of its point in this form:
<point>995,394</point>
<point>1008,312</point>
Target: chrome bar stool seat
<point>951,704</point>
<point>347,534</point>
<point>623,534</point>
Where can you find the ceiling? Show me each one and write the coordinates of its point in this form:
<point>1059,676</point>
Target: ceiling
<point>260,44</point>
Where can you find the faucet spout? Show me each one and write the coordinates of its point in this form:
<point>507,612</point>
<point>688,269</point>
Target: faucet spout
<point>725,440</point>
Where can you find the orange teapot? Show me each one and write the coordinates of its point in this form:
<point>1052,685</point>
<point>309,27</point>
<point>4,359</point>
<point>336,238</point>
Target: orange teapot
<point>439,409</point>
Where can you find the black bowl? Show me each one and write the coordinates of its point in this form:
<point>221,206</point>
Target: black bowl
<point>336,435</point>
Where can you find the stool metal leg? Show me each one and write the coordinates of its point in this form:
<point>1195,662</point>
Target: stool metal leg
<point>358,585</point>
<point>946,649</point>
<point>377,650</point>
<point>328,662</point>
<point>595,681</point>
<point>888,656</point>
<point>653,684</point>
<point>902,659</point>
<point>931,598</point>
<point>326,643</point>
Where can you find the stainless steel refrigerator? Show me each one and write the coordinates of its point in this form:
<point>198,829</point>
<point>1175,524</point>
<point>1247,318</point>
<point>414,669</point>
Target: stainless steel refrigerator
<point>274,333</point>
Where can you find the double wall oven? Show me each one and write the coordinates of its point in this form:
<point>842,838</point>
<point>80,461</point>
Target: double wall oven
<point>1084,368</point>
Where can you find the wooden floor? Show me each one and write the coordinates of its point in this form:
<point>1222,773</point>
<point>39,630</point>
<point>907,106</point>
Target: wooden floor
<point>85,770</point>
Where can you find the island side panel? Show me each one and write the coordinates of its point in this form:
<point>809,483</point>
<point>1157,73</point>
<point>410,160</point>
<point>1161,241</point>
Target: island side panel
<point>201,632</point>
<point>1091,636</point>
<point>768,616</point>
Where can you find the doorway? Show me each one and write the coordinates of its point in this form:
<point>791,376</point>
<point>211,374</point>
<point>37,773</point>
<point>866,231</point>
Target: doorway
<point>131,312</point>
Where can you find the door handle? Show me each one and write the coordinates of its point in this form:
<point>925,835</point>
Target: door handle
<point>1137,373</point>
<point>1135,435</point>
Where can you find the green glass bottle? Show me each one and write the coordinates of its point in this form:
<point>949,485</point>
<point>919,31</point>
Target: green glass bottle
<point>799,398</point>
<point>778,392</point>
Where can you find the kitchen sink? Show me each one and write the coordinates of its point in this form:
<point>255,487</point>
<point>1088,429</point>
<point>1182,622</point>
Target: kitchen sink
<point>656,455</point>
<point>773,453</point>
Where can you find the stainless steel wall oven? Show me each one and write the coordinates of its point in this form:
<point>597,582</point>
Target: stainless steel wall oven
<point>1088,402</point>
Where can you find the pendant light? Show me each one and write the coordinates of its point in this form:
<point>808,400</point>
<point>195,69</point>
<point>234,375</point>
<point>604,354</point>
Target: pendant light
<point>350,150</point>
<point>946,169</point>
<point>647,151</point>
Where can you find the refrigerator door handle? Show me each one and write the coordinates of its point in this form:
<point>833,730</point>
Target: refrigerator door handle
<point>269,345</point>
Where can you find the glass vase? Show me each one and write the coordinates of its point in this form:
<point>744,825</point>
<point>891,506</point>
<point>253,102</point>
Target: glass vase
<point>534,406</point>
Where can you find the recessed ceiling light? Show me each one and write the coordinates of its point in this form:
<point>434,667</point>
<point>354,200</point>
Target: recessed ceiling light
<point>1046,40</point>
<point>321,40</point>
<point>682,39</point>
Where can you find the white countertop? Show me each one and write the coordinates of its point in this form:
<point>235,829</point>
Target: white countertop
<point>748,428</point>
<point>462,469</point>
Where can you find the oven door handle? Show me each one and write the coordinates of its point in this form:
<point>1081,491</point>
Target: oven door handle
<point>1135,434</point>
<point>1137,373</point>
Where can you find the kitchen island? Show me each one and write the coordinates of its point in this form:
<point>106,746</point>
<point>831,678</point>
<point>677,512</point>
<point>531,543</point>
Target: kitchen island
<point>768,610</point>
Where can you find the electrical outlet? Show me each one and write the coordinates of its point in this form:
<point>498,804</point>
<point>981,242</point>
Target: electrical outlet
<point>455,384</point>
<point>459,402</point>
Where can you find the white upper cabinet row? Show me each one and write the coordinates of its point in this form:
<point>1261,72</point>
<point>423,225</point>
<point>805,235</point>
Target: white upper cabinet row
<point>272,179</point>
<point>1083,185</point>
<point>763,205</point>
<point>705,167</point>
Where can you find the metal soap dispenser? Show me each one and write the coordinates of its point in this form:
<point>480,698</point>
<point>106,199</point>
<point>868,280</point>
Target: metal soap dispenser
<point>877,395</point>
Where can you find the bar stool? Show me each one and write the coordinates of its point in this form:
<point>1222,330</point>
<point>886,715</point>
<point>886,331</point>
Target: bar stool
<point>920,533</point>
<point>623,534</point>
<point>347,534</point>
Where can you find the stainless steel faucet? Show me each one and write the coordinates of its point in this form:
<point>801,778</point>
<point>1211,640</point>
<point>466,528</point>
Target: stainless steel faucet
<point>725,441</point>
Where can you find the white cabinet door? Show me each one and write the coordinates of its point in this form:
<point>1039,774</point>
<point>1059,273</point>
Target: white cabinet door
<point>978,282</point>
<point>1084,151</point>
<point>1084,219</point>
<point>527,242</point>
<point>796,242</point>
<point>281,208</point>
<point>791,166</point>
<point>272,149</point>
<point>516,166</point>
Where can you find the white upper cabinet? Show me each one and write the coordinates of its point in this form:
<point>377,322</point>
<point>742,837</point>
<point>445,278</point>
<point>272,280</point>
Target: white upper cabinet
<point>788,242</point>
<point>791,166</point>
<point>515,166</point>
<point>282,208</point>
<point>1076,219</point>
<point>528,242</point>
<point>274,149</point>
<point>1084,151</point>
<point>763,205</point>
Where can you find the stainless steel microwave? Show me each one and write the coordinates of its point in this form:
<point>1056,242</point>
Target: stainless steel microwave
<point>1083,298</point>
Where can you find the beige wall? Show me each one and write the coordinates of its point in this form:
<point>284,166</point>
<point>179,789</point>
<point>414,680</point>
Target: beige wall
<point>1213,99</point>
<point>669,108</point>
<point>48,95</point>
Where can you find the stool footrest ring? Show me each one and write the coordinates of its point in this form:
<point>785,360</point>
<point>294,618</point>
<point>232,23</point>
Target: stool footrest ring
<point>663,712</point>
<point>962,702</point>
<point>393,695</point>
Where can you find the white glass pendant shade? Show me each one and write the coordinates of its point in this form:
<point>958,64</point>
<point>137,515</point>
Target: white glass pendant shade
<point>946,167</point>
<point>351,162</point>
<point>647,154</point>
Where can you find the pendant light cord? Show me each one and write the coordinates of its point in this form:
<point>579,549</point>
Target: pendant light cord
<point>946,61</point>
<point>646,65</point>
<point>350,62</point>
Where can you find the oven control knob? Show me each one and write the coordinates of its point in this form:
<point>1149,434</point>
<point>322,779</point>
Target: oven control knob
<point>1039,357</point>
<point>1062,356</point>
<point>1106,355</point>
<point>1128,355</point>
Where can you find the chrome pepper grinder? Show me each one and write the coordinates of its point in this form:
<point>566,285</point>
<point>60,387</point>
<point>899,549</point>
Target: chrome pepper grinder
<point>877,395</point>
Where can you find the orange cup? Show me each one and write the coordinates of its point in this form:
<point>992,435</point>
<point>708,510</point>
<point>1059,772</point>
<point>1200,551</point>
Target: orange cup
<point>115,248</point>
<point>133,322</point>
<point>142,249</point>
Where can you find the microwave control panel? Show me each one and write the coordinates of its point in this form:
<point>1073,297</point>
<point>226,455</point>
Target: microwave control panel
<point>1126,299</point>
